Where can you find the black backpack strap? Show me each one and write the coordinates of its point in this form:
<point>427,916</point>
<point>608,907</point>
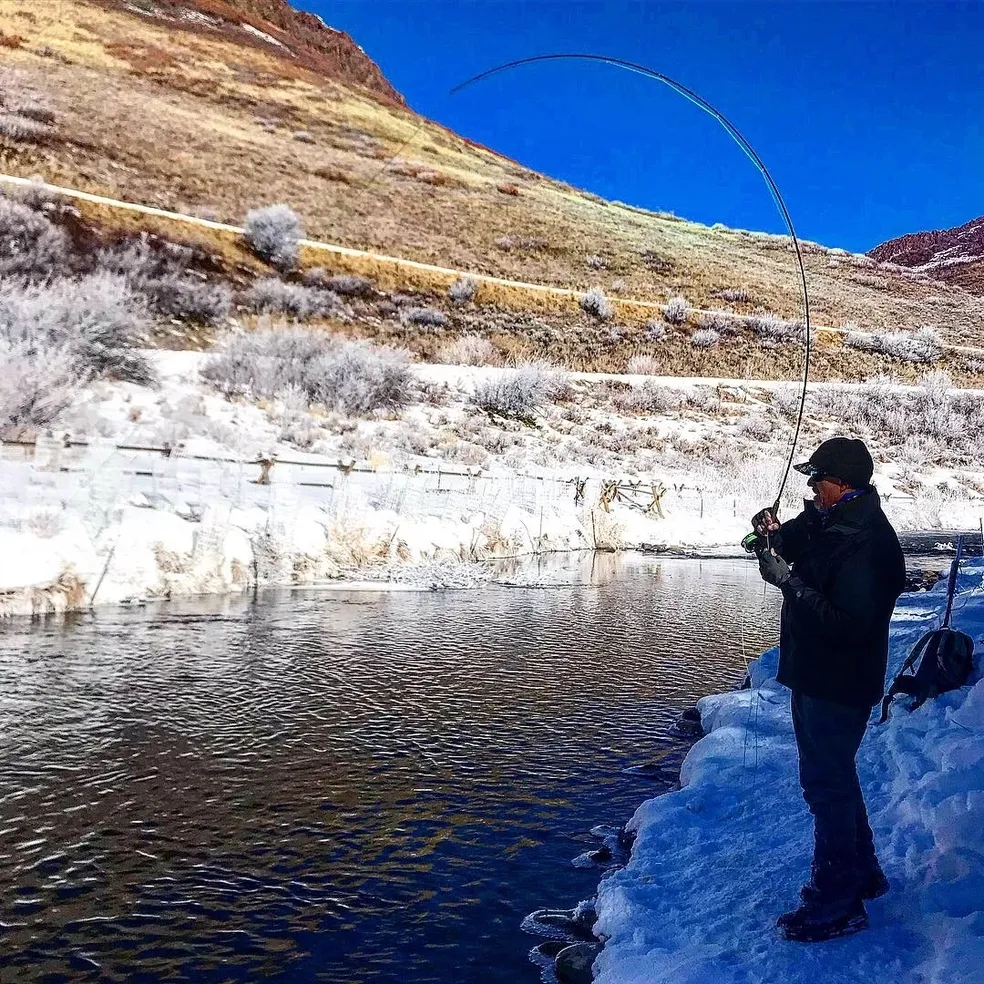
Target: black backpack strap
<point>901,685</point>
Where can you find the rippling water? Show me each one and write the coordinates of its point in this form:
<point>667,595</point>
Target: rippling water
<point>350,787</point>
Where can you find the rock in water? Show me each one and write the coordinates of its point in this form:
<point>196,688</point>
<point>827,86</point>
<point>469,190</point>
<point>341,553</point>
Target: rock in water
<point>573,963</point>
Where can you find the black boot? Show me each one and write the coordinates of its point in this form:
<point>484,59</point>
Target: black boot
<point>872,884</point>
<point>814,922</point>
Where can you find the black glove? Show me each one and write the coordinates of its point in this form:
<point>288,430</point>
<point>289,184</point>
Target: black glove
<point>764,522</point>
<point>773,568</point>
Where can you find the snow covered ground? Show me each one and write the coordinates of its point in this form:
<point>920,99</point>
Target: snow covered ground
<point>714,863</point>
<point>438,485</point>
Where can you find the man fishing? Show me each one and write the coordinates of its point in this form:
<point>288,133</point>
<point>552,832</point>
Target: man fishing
<point>840,569</point>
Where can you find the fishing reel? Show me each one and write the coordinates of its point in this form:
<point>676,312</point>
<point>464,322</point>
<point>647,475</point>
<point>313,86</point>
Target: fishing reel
<point>755,543</point>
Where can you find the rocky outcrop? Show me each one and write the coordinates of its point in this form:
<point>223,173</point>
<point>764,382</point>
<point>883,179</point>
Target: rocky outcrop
<point>275,26</point>
<point>953,255</point>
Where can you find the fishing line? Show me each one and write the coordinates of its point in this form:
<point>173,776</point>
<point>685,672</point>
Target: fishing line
<point>749,152</point>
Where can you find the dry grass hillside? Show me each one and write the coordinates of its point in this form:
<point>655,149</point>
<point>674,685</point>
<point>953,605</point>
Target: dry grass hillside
<point>149,104</point>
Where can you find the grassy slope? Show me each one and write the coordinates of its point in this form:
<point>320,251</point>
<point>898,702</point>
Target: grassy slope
<point>194,122</point>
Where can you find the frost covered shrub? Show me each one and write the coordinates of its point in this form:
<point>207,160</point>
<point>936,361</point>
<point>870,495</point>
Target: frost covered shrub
<point>721,323</point>
<point>643,365</point>
<point>38,384</point>
<point>704,338</point>
<point>98,318</point>
<point>733,295</point>
<point>922,346</point>
<point>344,284</point>
<point>772,331</point>
<point>703,398</point>
<point>656,331</point>
<point>273,233</point>
<point>518,392</point>
<point>758,428</point>
<point>596,304</point>
<point>159,273</point>
<point>270,295</point>
<point>188,299</point>
<point>786,401</point>
<point>352,377</point>
<point>675,310</point>
<point>30,245</point>
<point>651,397</point>
<point>350,285</point>
<point>469,350</point>
<point>463,290</point>
<point>423,316</point>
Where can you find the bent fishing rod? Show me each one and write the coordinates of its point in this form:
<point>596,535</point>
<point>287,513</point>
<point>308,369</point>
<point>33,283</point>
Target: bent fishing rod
<point>749,152</point>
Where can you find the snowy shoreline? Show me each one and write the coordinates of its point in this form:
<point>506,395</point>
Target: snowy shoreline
<point>716,861</point>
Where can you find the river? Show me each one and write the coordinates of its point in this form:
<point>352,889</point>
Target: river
<point>342,786</point>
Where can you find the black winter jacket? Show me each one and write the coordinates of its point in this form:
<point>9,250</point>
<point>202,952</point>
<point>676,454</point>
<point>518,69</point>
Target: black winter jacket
<point>847,573</point>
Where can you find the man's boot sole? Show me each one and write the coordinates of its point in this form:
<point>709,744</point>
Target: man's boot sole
<point>822,932</point>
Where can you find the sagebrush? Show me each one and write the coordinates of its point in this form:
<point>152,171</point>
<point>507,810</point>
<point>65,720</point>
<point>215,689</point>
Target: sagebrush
<point>350,376</point>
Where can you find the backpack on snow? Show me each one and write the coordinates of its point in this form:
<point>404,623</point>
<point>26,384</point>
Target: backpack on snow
<point>946,661</point>
<point>945,656</point>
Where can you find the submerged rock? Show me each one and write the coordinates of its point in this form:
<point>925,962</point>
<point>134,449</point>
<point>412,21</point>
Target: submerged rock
<point>573,964</point>
<point>570,924</point>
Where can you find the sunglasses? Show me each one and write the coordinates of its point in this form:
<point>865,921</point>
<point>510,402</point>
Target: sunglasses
<point>813,473</point>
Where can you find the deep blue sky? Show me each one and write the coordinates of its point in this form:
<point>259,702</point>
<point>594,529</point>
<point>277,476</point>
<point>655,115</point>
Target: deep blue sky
<point>870,116</point>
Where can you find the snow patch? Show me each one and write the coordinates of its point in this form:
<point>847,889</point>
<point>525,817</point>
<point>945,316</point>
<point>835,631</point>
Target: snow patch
<point>263,36</point>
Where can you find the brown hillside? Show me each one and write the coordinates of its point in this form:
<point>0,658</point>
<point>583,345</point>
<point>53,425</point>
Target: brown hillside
<point>293,35</point>
<point>213,120</point>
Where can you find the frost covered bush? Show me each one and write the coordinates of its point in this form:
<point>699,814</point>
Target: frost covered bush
<point>704,338</point>
<point>273,233</point>
<point>733,295</point>
<point>463,290</point>
<point>424,316</point>
<point>270,295</point>
<point>932,413</point>
<point>188,299</point>
<point>651,397</point>
<point>596,304</point>
<point>786,400</point>
<point>922,346</point>
<point>469,350</point>
<point>772,331</point>
<point>643,365</point>
<point>31,245</point>
<point>757,427</point>
<point>352,377</point>
<point>518,392</point>
<point>675,310</point>
<point>656,331</point>
<point>38,384</point>
<point>159,273</point>
<point>98,318</point>
<point>721,323</point>
<point>344,284</point>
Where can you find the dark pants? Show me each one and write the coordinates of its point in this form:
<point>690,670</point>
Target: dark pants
<point>828,736</point>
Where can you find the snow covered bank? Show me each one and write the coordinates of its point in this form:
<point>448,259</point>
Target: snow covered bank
<point>440,482</point>
<point>714,863</point>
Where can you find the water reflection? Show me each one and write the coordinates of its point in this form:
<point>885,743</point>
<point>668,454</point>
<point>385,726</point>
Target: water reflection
<point>346,786</point>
